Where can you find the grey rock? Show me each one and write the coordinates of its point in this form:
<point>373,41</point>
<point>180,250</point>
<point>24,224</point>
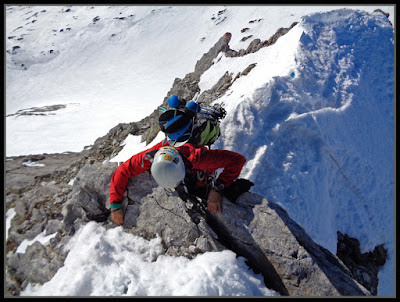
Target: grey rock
<point>95,177</point>
<point>35,230</point>
<point>164,214</point>
<point>53,226</point>
<point>11,199</point>
<point>290,261</point>
<point>37,265</point>
<point>21,178</point>
<point>253,46</point>
<point>89,193</point>
<point>261,231</point>
<point>207,59</point>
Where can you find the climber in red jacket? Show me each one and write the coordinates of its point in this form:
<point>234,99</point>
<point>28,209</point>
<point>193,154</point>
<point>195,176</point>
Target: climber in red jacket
<point>190,164</point>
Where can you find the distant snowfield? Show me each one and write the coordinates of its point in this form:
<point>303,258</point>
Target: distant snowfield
<point>314,118</point>
<point>113,64</point>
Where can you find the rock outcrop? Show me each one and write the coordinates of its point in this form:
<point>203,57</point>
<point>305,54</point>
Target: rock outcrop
<point>290,261</point>
<point>261,231</point>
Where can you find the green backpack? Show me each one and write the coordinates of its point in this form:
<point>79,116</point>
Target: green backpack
<point>205,130</point>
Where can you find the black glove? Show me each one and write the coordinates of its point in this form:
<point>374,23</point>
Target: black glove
<point>238,187</point>
<point>99,217</point>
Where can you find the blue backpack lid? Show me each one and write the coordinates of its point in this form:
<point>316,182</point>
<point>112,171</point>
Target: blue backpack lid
<point>181,135</point>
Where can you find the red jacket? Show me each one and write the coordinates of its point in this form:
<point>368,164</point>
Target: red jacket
<point>200,157</point>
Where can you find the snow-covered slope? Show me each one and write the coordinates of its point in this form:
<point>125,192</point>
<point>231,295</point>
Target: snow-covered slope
<point>318,128</point>
<point>314,118</point>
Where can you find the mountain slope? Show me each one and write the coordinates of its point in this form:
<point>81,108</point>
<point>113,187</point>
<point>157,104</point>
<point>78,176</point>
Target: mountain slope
<point>314,117</point>
<point>97,61</point>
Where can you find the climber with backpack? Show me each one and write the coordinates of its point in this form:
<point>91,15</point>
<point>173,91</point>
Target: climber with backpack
<point>184,161</point>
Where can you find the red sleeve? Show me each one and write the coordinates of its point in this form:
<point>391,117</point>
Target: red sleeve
<point>131,167</point>
<point>204,159</point>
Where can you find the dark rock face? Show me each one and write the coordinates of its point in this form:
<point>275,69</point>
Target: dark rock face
<point>38,110</point>
<point>364,267</point>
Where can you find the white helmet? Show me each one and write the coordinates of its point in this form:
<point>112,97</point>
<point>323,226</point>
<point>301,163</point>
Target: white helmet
<point>168,169</point>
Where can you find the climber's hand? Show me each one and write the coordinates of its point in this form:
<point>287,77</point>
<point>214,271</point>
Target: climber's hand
<point>118,217</point>
<point>214,202</point>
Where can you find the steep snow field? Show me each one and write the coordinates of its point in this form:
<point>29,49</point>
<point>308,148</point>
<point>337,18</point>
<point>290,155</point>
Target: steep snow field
<point>314,118</point>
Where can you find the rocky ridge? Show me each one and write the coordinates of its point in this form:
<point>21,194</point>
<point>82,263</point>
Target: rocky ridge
<point>255,228</point>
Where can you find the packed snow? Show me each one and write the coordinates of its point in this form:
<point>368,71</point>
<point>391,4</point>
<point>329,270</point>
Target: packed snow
<point>314,118</point>
<point>115,263</point>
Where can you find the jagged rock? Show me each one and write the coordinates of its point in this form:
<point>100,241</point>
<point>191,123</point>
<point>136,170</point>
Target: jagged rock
<point>207,60</point>
<point>248,69</point>
<point>37,110</point>
<point>93,180</point>
<point>253,46</point>
<point>37,265</point>
<point>34,209</point>
<point>53,226</point>
<point>364,267</point>
<point>217,90</point>
<point>256,44</point>
<point>246,38</point>
<point>105,147</point>
<point>161,213</point>
<point>290,261</point>
<point>89,194</point>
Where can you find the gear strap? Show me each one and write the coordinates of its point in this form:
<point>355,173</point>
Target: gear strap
<point>198,206</point>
